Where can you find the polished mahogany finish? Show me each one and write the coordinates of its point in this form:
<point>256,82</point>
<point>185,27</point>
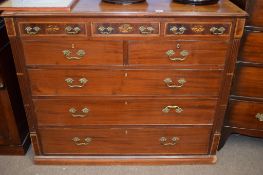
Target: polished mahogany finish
<point>73,53</point>
<point>125,82</point>
<point>244,114</point>
<point>252,46</point>
<point>14,134</point>
<point>124,111</point>
<point>126,141</point>
<point>177,53</point>
<point>145,83</point>
<point>248,82</point>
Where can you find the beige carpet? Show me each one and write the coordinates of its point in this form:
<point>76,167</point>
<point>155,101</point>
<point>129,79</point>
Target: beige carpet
<point>240,156</point>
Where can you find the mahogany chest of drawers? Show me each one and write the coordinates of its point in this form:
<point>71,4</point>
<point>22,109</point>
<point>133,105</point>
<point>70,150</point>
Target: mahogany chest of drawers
<point>14,133</point>
<point>245,112</point>
<point>136,84</point>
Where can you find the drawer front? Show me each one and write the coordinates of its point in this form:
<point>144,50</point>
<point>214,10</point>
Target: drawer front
<point>175,53</point>
<point>52,29</point>
<point>245,114</point>
<point>251,50</point>
<point>125,141</point>
<point>205,29</point>
<point>124,82</point>
<point>73,52</point>
<point>248,82</point>
<point>126,29</point>
<point>108,111</point>
<point>254,8</point>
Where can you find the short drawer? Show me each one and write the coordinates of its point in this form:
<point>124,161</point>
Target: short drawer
<point>133,141</point>
<point>124,82</point>
<point>51,28</point>
<point>245,114</point>
<point>248,82</point>
<point>136,29</point>
<point>173,53</point>
<point>73,52</point>
<point>197,29</point>
<point>251,50</point>
<point>124,111</point>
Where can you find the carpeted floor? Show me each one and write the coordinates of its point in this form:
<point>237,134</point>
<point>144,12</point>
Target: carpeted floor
<point>240,156</point>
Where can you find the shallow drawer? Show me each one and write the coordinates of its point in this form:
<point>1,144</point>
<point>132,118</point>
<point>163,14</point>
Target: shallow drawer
<point>73,52</point>
<point>124,82</point>
<point>246,114</point>
<point>109,111</point>
<point>251,51</point>
<point>248,82</point>
<point>51,28</point>
<point>175,53</point>
<point>125,29</point>
<point>198,29</point>
<point>125,140</point>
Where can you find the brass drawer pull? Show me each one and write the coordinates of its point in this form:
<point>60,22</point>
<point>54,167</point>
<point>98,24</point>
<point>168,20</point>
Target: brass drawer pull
<point>164,141</point>
<point>125,28</point>
<point>75,114</point>
<point>105,30</point>
<point>72,30</point>
<point>259,116</point>
<point>32,30</point>
<point>146,30</point>
<point>70,82</point>
<point>178,31</point>
<point>217,31</point>
<point>2,86</point>
<point>80,54</point>
<point>171,53</point>
<point>177,109</point>
<point>78,142</point>
<point>169,82</point>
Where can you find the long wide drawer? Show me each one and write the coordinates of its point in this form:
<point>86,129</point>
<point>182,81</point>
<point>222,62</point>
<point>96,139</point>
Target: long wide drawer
<point>123,111</point>
<point>248,82</point>
<point>125,82</point>
<point>246,114</point>
<point>73,52</point>
<point>125,140</point>
<point>173,53</point>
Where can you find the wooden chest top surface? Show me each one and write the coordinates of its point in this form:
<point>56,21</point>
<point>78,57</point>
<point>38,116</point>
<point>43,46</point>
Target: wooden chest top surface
<point>149,8</point>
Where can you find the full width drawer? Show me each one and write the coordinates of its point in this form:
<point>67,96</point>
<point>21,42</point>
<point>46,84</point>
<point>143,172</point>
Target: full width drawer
<point>125,140</point>
<point>124,82</point>
<point>251,51</point>
<point>73,52</point>
<point>245,114</point>
<point>124,111</point>
<point>175,53</point>
<point>248,82</point>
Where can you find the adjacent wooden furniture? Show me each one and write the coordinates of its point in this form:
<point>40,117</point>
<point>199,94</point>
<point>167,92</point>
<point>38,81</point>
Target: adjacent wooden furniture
<point>245,111</point>
<point>136,84</point>
<point>14,134</point>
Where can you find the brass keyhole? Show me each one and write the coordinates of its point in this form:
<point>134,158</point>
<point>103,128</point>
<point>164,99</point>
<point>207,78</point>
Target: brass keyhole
<point>178,46</point>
